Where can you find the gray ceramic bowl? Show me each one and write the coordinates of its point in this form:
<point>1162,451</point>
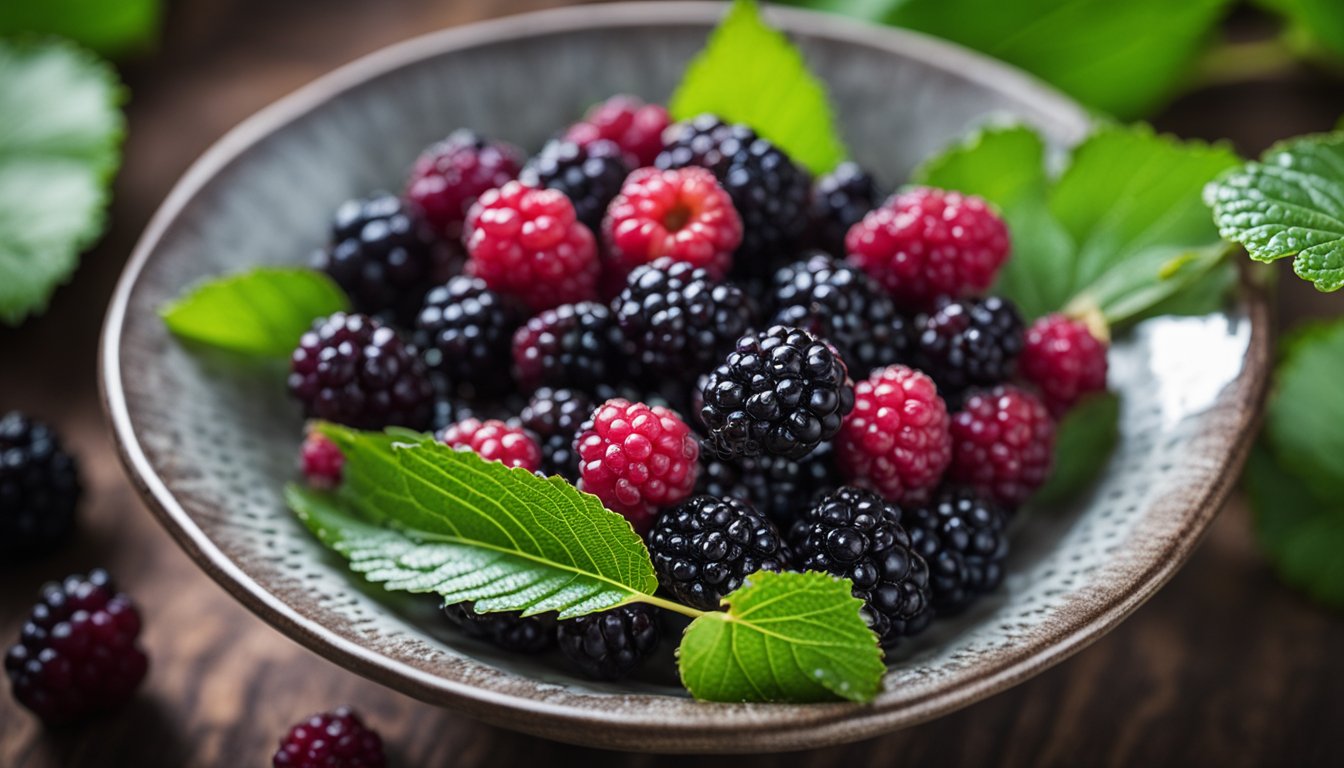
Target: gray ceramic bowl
<point>211,446</point>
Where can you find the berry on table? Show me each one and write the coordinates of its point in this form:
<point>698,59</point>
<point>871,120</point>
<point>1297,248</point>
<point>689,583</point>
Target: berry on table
<point>705,547</point>
<point>961,536</point>
<point>509,630</point>
<point>353,370</point>
<point>39,488</point>
<point>611,644</point>
<point>779,487</point>
<point>494,440</point>
<point>683,214</point>
<point>77,653</point>
<point>897,441</point>
<point>637,128</point>
<point>337,739</point>
<point>636,458</point>
<point>781,392</point>
<point>927,244</point>
<point>855,534</point>
<point>572,345</point>
<point>840,199</point>
<point>970,343</point>
<point>555,416</point>
<point>450,175</point>
<point>321,461</point>
<point>590,175</point>
<point>465,330</point>
<point>1064,361</point>
<point>528,243</point>
<point>1002,444</point>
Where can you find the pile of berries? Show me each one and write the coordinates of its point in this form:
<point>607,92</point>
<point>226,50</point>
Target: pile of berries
<point>758,369</point>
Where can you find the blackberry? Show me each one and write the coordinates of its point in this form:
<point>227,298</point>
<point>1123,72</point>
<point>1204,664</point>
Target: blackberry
<point>840,199</point>
<point>611,644</point>
<point>768,190</point>
<point>969,343</point>
<point>508,630</point>
<point>77,653</point>
<point>385,256</point>
<point>854,534</point>
<point>676,322</point>
<point>336,739</point>
<point>573,345</point>
<point>780,392</point>
<point>353,370</point>
<point>466,331</point>
<point>705,547</point>
<point>555,416</point>
<point>589,174</point>
<point>39,488</point>
<point>781,488</point>
<point>837,301</point>
<point>962,538</point>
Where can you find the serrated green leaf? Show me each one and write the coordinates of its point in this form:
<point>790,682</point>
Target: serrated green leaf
<point>1084,443</point>
<point>109,27</point>
<point>1300,531</point>
<point>785,637</point>
<point>60,132</point>
<point>750,73</point>
<point>531,544</point>
<point>1306,410</point>
<point>1288,204</point>
<point>260,312</point>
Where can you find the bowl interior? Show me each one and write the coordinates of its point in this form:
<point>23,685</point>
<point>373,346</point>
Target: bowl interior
<point>212,444</point>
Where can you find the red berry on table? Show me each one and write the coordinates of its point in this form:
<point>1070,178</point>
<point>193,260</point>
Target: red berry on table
<point>321,461</point>
<point>637,128</point>
<point>1003,443</point>
<point>336,739</point>
<point>637,458</point>
<point>896,441</point>
<point>450,175</point>
<point>527,242</point>
<point>494,440</point>
<point>927,244</point>
<point>682,213</point>
<point>1064,361</point>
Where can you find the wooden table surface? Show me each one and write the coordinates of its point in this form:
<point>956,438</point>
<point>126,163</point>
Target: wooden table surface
<point>1224,667</point>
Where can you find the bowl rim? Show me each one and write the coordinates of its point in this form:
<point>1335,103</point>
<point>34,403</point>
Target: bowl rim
<point>771,727</point>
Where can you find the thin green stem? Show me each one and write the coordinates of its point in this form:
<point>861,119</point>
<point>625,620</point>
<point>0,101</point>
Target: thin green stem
<point>659,602</point>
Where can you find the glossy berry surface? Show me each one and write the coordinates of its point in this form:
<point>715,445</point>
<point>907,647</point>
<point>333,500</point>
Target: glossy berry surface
<point>707,546</point>
<point>970,343</point>
<point>840,199</point>
<point>494,440</point>
<point>897,441</point>
<point>682,214</point>
<point>465,330</point>
<point>637,458</point>
<point>590,175</point>
<point>555,416</point>
<point>611,644</point>
<point>337,739</point>
<point>637,128</point>
<point>573,345</point>
<point>321,461</point>
<point>1002,444</point>
<point>781,488</point>
<point>450,175</point>
<point>1064,361</point>
<point>40,488</point>
<point>962,537</point>
<point>508,630</point>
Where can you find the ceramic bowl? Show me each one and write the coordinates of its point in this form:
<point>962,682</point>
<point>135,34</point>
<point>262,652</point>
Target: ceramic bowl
<point>210,446</point>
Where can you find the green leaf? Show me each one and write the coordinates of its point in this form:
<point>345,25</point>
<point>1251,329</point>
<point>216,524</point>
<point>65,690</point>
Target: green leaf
<point>1083,445</point>
<point>260,312</point>
<point>785,637</point>
<point>1122,228</point>
<point>504,538</point>
<point>60,133</point>
<point>1306,410</point>
<point>1300,531</point>
<point>1289,204</point>
<point>109,27</point>
<point>750,73</point>
<point>1316,25</point>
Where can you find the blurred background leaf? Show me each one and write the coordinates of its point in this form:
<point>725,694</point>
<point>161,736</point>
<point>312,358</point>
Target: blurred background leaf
<point>110,27</point>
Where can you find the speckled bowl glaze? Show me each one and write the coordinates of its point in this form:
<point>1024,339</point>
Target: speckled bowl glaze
<point>210,446</point>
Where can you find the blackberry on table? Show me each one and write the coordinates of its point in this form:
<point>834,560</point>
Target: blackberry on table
<point>840,199</point>
<point>39,488</point>
<point>855,534</point>
<point>707,546</point>
<point>611,644</point>
<point>465,330</point>
<point>970,343</point>
<point>573,345</point>
<point>555,416</point>
<point>589,174</point>
<point>451,174</point>
<point>961,536</point>
<point>508,630</point>
<point>337,739</point>
<point>781,488</point>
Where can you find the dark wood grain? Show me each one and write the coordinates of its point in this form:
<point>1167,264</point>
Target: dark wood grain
<point>1224,667</point>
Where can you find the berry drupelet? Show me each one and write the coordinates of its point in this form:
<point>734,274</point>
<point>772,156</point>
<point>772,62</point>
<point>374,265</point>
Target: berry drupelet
<point>450,175</point>
<point>897,441</point>
<point>706,547</point>
<point>572,345</point>
<point>611,644</point>
<point>637,128</point>
<point>77,653</point>
<point>840,199</point>
<point>508,630</point>
<point>555,416</point>
<point>336,739</point>
<point>1064,361</point>
<point>781,392</point>
<point>353,370</point>
<point>854,534</point>
<point>494,440</point>
<point>1002,444</point>
<point>39,488</point>
<point>970,343</point>
<point>465,330</point>
<point>590,175</point>
<point>781,488</point>
<point>682,214</point>
<point>962,537</point>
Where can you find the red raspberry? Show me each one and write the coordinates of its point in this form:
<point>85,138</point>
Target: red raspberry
<point>637,128</point>
<point>321,461</point>
<point>494,440</point>
<point>636,458</point>
<point>896,440</point>
<point>331,740</point>
<point>1064,360</point>
<point>1002,444</point>
<point>450,175</point>
<point>682,213</point>
<point>926,243</point>
<point>527,243</point>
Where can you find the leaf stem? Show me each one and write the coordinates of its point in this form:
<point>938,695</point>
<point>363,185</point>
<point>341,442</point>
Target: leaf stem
<point>659,602</point>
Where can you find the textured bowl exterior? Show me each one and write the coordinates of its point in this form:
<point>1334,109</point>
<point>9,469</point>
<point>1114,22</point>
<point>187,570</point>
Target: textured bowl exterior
<point>211,445</point>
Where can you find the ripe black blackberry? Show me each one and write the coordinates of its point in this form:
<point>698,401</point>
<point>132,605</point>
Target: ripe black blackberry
<point>969,343</point>
<point>336,739</point>
<point>676,322</point>
<point>573,345</point>
<point>555,416</point>
<point>353,370</point>
<point>962,537</point>
<point>839,201</point>
<point>590,175</point>
<point>781,488</point>
<point>855,534</point>
<point>611,644</point>
<point>838,302</point>
<point>781,392</point>
<point>705,547</point>
<point>506,629</point>
<point>39,488</point>
<point>385,257</point>
<point>77,653</point>
<point>465,330</point>
<point>769,191</point>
